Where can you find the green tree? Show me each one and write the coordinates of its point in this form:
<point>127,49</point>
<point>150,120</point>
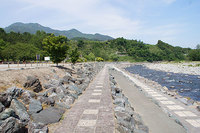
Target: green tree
<point>20,51</point>
<point>80,43</point>
<point>194,55</point>
<point>74,55</point>
<point>198,46</point>
<point>90,57</point>
<point>56,47</point>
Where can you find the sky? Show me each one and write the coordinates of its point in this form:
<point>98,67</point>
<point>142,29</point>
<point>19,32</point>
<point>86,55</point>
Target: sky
<point>176,22</point>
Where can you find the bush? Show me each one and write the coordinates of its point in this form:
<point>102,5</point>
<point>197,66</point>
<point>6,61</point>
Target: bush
<point>99,59</point>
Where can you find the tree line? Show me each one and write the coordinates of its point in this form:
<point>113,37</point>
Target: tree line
<point>25,46</point>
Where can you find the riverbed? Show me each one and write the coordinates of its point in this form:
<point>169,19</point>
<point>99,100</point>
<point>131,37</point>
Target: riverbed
<point>186,85</point>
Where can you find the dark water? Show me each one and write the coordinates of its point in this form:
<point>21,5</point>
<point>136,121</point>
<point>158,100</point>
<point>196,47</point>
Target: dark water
<point>186,85</point>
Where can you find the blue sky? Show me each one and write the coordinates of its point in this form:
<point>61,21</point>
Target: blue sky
<point>176,22</point>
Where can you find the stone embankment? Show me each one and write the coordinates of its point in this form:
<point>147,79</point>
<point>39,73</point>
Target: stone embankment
<point>32,108</point>
<point>127,120</point>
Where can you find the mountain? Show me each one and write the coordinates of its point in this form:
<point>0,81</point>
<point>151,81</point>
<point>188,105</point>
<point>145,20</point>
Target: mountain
<point>73,33</point>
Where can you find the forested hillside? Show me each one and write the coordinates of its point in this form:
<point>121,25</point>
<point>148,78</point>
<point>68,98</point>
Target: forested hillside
<point>34,27</point>
<point>25,46</point>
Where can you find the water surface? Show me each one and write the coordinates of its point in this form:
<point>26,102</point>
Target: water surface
<point>186,85</point>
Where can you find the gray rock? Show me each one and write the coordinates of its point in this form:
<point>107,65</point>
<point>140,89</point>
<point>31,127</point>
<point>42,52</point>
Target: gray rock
<point>122,129</point>
<point>7,113</point>
<point>47,86</point>
<point>37,128</point>
<point>68,100</point>
<point>20,111</point>
<point>5,99</point>
<point>62,105</point>
<point>49,115</point>
<point>119,102</point>
<point>75,90</point>
<point>50,101</point>
<point>27,95</point>
<point>190,102</point>
<point>35,106</point>
<point>33,83</point>
<point>56,83</point>
<point>12,125</point>
<point>1,107</point>
<point>198,108</point>
<point>14,91</point>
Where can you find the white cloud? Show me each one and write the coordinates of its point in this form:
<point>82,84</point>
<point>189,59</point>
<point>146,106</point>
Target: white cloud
<point>101,16</point>
<point>89,15</point>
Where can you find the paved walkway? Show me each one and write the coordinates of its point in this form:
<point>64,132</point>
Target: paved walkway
<point>93,111</point>
<point>187,116</point>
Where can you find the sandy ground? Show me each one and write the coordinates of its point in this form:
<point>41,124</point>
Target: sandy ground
<point>186,67</point>
<point>18,77</point>
<point>152,115</point>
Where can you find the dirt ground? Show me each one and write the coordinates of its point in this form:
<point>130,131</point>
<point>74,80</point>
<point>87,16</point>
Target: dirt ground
<point>18,77</point>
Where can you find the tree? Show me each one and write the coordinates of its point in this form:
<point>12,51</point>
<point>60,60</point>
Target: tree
<point>194,55</point>
<point>56,47</point>
<point>20,51</point>
<point>198,46</point>
<point>80,43</point>
<point>74,55</point>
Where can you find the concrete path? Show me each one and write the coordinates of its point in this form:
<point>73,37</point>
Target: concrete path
<point>153,115</point>
<point>93,111</point>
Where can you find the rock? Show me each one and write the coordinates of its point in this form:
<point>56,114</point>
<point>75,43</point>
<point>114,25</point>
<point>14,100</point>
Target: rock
<point>5,99</point>
<point>27,95</point>
<point>183,100</point>
<point>33,83</point>
<point>122,129</point>
<point>20,111</point>
<point>37,128</point>
<point>62,105</point>
<point>75,90</point>
<point>119,102</point>
<point>68,100</point>
<point>61,90</point>
<point>56,83</point>
<point>165,88</point>
<point>47,86</point>
<point>14,91</point>
<point>7,113</point>
<point>12,125</point>
<point>49,115</point>
<point>35,106</point>
<point>1,107</point>
<point>198,108</point>
<point>50,101</point>
<point>190,102</point>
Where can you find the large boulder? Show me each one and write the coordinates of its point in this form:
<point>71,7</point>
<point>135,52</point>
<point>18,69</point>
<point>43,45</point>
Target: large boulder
<point>20,110</point>
<point>33,83</point>
<point>35,106</point>
<point>12,125</point>
<point>49,115</point>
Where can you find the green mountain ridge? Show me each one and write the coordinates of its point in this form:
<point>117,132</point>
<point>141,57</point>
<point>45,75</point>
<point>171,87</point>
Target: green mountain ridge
<point>73,33</point>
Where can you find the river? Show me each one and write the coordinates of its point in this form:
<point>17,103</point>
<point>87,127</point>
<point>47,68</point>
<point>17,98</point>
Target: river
<point>186,85</point>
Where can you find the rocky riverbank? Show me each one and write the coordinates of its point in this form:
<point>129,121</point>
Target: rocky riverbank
<point>168,91</point>
<point>127,121</point>
<point>35,105</point>
<point>192,68</point>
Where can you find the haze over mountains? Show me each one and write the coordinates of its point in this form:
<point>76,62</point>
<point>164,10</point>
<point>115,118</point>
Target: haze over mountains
<point>73,33</point>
